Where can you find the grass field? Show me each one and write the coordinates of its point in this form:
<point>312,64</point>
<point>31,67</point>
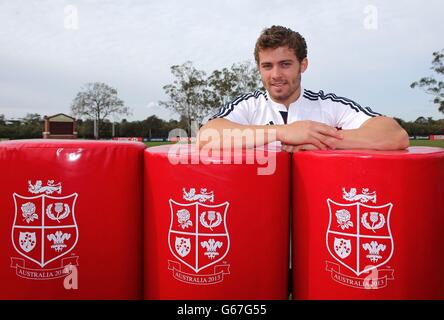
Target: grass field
<point>156,143</point>
<point>427,143</point>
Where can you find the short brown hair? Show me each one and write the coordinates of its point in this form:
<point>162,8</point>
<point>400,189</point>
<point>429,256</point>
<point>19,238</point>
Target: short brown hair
<point>278,36</point>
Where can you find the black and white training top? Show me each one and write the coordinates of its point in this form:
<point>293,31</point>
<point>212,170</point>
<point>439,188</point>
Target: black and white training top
<point>258,108</point>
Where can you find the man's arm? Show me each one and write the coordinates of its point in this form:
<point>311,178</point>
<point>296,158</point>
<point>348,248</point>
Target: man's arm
<point>220,132</point>
<point>378,133</point>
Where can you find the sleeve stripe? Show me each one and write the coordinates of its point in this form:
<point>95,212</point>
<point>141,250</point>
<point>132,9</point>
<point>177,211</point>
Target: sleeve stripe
<point>229,107</point>
<point>355,106</point>
<point>311,93</point>
<point>310,97</point>
<point>373,112</point>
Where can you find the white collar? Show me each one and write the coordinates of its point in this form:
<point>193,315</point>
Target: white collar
<point>281,106</point>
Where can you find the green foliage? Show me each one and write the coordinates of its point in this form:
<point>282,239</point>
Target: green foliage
<point>151,127</point>
<point>423,126</point>
<point>98,101</point>
<point>230,83</point>
<point>188,94</point>
<point>29,127</point>
<point>431,85</point>
<point>194,95</point>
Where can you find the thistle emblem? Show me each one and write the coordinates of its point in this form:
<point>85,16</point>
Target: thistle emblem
<point>59,207</point>
<point>374,217</point>
<point>214,218</point>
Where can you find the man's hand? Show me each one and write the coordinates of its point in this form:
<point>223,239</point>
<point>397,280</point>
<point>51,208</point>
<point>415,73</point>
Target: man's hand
<point>299,135</point>
<point>301,147</point>
<point>308,135</point>
<point>378,133</point>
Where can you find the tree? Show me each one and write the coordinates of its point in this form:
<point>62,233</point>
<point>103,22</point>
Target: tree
<point>188,94</point>
<point>228,84</point>
<point>421,120</point>
<point>30,126</point>
<point>153,127</point>
<point>194,96</point>
<point>32,118</point>
<point>3,128</point>
<point>98,101</point>
<point>431,85</point>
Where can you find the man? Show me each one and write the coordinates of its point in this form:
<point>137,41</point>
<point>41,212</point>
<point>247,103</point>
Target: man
<point>300,119</point>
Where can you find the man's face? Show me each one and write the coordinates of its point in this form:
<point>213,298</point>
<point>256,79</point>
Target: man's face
<point>281,73</point>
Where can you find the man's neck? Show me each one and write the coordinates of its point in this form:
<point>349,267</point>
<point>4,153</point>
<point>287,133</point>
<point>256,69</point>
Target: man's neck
<point>291,99</point>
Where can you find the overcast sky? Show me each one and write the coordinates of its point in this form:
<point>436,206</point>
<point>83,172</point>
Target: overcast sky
<point>368,51</point>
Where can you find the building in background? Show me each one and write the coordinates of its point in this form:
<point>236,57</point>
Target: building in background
<point>60,126</point>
